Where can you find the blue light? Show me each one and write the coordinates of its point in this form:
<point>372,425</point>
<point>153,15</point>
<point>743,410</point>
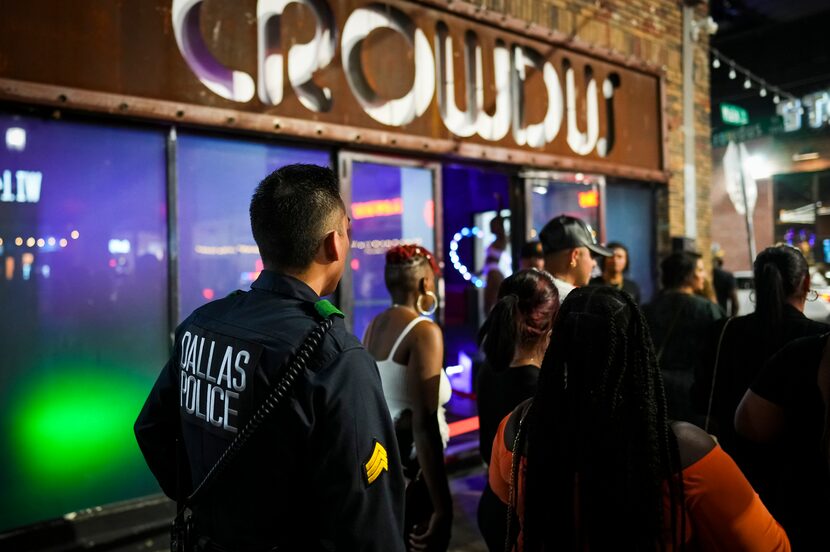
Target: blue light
<point>465,232</point>
<point>457,237</point>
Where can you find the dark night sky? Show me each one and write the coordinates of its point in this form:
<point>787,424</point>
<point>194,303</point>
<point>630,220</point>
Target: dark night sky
<point>786,43</point>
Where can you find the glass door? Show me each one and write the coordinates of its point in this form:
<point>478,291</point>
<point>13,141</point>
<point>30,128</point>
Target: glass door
<point>550,194</point>
<point>391,201</point>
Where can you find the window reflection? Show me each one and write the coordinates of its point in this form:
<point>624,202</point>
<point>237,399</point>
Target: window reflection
<point>389,205</point>
<point>216,178</point>
<point>83,329</point>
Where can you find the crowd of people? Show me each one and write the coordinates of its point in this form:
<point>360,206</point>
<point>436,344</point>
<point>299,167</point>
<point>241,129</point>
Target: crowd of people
<point>604,425</point>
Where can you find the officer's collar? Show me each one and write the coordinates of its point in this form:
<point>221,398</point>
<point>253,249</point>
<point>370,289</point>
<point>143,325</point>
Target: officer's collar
<point>285,285</point>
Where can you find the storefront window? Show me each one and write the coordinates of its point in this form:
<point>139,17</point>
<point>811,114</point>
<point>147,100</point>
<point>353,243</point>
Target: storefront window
<point>389,205</point>
<point>83,329</point>
<point>472,197</point>
<point>216,178</point>
<point>570,194</point>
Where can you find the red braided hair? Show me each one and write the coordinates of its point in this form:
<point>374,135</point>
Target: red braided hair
<point>406,254</point>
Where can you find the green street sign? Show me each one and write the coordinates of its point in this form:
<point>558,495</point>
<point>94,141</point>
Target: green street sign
<point>733,115</point>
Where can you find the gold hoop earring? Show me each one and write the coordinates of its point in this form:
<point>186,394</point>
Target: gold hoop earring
<point>421,310</point>
<point>812,295</point>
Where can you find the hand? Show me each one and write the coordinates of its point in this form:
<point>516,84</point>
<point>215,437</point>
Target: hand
<point>435,537</point>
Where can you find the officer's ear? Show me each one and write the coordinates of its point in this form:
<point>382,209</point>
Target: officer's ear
<point>331,247</point>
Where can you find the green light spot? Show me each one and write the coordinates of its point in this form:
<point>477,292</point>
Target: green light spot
<point>77,423</point>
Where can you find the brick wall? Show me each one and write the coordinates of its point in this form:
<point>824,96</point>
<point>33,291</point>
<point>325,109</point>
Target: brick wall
<point>650,30</point>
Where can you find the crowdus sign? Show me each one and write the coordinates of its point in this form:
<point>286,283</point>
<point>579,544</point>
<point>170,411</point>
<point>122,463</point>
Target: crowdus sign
<point>378,72</point>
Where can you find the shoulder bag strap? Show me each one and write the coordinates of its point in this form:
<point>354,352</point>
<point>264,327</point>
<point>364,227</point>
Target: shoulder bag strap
<point>669,333</point>
<point>511,534</point>
<point>714,377</point>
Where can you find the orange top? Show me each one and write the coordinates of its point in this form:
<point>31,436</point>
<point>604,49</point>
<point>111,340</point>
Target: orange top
<point>723,511</point>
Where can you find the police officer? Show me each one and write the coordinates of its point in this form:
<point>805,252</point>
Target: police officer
<point>324,473</point>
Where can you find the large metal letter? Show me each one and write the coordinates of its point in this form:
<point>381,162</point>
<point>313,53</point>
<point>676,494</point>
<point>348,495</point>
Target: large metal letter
<point>303,59</point>
<point>494,127</point>
<point>460,123</point>
<point>606,144</point>
<point>582,143</point>
<point>236,86</point>
<point>535,135</point>
<point>414,103</point>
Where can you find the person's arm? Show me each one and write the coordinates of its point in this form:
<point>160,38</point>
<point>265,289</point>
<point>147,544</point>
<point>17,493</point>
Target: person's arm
<point>491,289</point>
<point>158,427</point>
<point>733,302</point>
<point>761,415</point>
<point>426,354</point>
<point>759,419</point>
<point>357,479</point>
<point>492,508</point>
<point>726,512</point>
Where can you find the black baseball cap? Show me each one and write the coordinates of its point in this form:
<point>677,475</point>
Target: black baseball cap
<point>565,232</point>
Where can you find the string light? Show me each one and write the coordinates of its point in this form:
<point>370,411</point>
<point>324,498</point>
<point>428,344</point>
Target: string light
<point>749,80</point>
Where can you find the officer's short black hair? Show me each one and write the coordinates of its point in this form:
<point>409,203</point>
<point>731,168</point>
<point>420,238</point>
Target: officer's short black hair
<point>292,209</point>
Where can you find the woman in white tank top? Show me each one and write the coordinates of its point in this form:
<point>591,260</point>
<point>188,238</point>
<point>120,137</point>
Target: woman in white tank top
<point>409,349</point>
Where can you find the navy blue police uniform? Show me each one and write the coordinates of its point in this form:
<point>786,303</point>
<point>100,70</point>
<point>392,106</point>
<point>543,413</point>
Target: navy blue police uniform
<point>323,474</point>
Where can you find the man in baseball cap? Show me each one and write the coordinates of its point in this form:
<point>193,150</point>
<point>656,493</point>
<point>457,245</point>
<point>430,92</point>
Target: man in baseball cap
<point>568,243</point>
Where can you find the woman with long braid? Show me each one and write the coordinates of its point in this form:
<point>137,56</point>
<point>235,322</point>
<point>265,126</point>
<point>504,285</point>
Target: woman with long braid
<point>599,466</point>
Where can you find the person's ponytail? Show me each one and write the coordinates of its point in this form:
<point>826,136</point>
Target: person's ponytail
<point>770,295</point>
<point>779,274</point>
<point>500,332</point>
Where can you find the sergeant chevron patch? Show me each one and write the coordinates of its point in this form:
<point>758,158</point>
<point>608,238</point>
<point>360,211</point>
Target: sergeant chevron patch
<point>376,464</point>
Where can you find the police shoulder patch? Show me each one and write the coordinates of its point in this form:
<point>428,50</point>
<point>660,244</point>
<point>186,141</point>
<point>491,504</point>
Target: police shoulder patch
<point>376,464</point>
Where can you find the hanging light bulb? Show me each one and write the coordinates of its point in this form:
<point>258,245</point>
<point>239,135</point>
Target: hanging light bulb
<point>776,99</point>
<point>747,83</point>
<point>732,74</point>
<point>716,63</point>
<point>763,92</point>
